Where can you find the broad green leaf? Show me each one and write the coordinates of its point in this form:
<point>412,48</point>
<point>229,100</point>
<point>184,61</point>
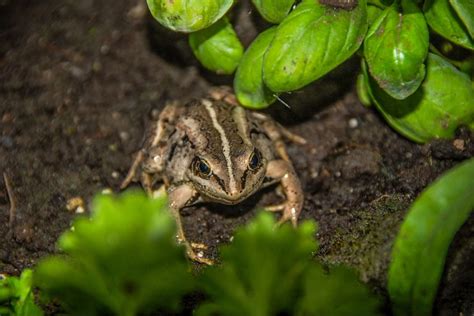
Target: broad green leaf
<point>373,13</point>
<point>260,271</point>
<point>443,102</point>
<point>465,11</point>
<point>248,83</point>
<point>188,15</point>
<point>380,3</point>
<point>395,49</point>
<point>123,260</point>
<point>16,296</point>
<point>422,243</point>
<point>273,10</point>
<point>336,292</point>
<point>443,19</point>
<point>312,40</point>
<point>218,48</point>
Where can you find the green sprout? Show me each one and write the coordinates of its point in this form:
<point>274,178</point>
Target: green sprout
<point>16,296</point>
<point>310,38</point>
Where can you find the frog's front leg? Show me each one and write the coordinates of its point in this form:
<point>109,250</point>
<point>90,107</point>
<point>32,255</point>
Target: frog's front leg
<point>147,163</point>
<point>179,197</point>
<point>282,170</point>
<point>149,159</point>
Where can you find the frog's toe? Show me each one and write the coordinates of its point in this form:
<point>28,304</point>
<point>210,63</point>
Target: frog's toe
<point>275,208</point>
<point>159,193</point>
<point>289,214</point>
<point>199,257</point>
<point>132,172</point>
<point>295,138</point>
<point>197,245</point>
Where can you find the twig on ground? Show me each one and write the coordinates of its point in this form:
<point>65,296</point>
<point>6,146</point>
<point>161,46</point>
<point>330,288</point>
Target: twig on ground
<point>11,199</point>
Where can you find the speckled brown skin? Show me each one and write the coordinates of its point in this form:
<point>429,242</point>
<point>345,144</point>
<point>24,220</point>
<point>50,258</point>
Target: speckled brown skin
<point>213,150</point>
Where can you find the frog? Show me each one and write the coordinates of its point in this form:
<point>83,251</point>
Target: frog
<point>212,149</point>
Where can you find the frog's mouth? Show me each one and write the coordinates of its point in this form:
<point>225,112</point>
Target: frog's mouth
<point>228,199</point>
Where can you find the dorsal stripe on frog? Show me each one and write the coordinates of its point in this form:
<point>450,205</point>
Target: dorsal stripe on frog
<point>224,141</point>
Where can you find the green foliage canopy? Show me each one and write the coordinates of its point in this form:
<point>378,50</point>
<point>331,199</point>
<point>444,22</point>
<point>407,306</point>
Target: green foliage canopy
<point>311,39</point>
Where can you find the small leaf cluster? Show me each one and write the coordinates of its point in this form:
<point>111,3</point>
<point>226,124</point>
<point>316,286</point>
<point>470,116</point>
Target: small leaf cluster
<point>16,296</point>
<point>125,261</point>
<point>309,38</point>
<point>269,272</point>
<point>420,93</point>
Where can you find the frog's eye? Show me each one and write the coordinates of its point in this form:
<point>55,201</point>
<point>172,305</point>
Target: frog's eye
<point>201,168</point>
<point>254,161</point>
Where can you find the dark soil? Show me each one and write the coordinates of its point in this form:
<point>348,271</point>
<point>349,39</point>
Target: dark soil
<point>79,81</point>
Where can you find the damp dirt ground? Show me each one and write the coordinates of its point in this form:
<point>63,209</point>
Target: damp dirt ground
<point>80,81</point>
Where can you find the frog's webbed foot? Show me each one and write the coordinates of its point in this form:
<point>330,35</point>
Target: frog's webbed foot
<point>180,197</point>
<point>291,208</point>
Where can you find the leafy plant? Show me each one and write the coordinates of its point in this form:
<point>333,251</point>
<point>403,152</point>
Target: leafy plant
<point>217,47</point>
<point>267,271</point>
<point>311,38</point>
<point>433,111</point>
<point>422,243</point>
<point>16,296</point>
<point>336,292</point>
<point>123,260</point>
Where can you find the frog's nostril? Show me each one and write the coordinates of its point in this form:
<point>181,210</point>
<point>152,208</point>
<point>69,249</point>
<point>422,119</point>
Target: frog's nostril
<point>233,193</point>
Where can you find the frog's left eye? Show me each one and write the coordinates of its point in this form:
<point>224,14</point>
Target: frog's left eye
<point>254,161</point>
<point>201,168</point>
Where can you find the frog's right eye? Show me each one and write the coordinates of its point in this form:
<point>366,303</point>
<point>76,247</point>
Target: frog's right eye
<point>201,168</point>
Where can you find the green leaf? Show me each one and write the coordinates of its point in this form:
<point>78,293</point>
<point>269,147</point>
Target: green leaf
<point>312,40</point>
<point>188,15</point>
<point>422,243</point>
<point>218,48</point>
<point>442,103</point>
<point>248,83</point>
<point>373,13</point>
<point>363,88</point>
<point>273,10</point>
<point>123,260</point>
<point>16,296</point>
<point>465,11</point>
<point>260,270</point>
<point>395,49</point>
<point>443,19</point>
<point>336,293</point>
<point>380,3</point>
